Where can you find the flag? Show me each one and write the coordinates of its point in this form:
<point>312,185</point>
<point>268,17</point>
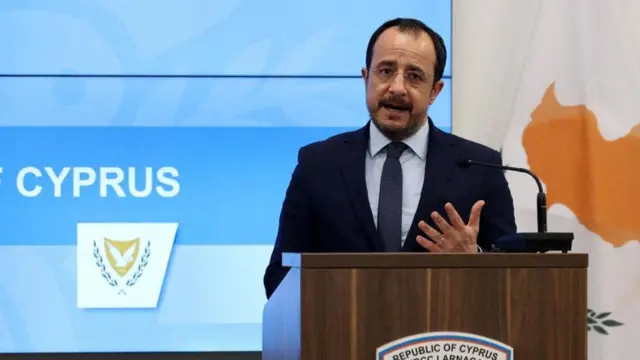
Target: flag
<point>555,85</point>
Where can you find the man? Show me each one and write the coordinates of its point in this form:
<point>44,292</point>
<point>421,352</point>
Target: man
<point>395,184</point>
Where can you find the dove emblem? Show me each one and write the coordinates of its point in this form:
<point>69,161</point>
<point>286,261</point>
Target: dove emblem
<point>122,255</point>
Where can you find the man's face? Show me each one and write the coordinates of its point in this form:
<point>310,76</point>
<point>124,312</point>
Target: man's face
<point>399,83</point>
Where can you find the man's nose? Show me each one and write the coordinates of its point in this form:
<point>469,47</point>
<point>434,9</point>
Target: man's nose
<point>397,84</point>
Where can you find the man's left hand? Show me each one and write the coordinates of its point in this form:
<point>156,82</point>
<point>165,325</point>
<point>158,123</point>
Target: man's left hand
<point>455,237</point>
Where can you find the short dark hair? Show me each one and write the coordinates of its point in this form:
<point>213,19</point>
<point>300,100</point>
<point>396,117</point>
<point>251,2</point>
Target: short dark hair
<point>412,25</point>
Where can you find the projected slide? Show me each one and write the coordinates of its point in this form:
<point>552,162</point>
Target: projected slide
<point>146,147</point>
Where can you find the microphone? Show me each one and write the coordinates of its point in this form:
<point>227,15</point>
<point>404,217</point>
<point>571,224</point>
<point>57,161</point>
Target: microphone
<point>541,207</point>
<point>541,241</point>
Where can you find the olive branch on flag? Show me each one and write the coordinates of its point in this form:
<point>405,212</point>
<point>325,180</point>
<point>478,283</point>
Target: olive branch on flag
<point>599,322</point>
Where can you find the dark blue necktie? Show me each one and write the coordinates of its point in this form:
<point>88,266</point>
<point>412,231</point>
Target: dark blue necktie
<point>390,200</point>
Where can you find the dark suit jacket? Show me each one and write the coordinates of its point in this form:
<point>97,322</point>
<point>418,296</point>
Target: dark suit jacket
<point>326,206</point>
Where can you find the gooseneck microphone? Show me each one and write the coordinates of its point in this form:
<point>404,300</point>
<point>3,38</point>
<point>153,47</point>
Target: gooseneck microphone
<point>540,241</point>
<point>541,207</point>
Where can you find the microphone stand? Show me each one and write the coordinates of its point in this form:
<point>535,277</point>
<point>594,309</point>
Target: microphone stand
<point>533,242</point>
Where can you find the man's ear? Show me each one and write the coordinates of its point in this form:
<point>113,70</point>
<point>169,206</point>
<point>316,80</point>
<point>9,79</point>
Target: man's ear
<point>365,74</point>
<point>437,88</point>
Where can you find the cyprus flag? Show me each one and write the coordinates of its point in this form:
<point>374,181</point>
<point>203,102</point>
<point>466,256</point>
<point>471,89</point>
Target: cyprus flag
<point>556,85</point>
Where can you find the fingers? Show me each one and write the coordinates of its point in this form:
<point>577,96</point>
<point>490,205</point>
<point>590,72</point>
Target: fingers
<point>442,224</point>
<point>456,236</point>
<point>432,233</point>
<point>454,217</point>
<point>474,218</point>
<point>438,243</point>
<point>429,245</point>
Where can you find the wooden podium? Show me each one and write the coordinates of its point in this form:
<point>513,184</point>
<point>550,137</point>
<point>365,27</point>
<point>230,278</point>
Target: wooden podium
<point>344,306</point>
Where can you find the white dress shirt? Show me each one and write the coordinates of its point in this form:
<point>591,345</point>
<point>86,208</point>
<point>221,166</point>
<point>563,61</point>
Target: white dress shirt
<point>412,160</point>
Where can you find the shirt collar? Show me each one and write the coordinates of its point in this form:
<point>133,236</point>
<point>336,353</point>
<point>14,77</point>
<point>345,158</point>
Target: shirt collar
<point>416,142</point>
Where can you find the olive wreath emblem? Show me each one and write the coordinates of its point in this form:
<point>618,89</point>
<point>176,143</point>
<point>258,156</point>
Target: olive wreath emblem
<point>144,261</point>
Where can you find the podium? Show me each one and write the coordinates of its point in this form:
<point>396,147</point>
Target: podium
<point>346,306</point>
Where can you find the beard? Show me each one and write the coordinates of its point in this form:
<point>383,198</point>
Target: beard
<point>402,108</point>
<point>397,133</point>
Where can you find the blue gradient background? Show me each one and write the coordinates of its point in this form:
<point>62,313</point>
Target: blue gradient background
<point>155,83</point>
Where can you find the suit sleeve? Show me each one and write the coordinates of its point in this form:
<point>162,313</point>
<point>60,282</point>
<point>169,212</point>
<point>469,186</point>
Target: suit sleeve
<point>497,217</point>
<point>295,224</point>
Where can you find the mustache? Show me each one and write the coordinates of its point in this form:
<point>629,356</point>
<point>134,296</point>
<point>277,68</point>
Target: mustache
<point>395,102</point>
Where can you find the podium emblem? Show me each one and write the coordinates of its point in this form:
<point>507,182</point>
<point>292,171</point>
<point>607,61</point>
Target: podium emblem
<point>444,346</point>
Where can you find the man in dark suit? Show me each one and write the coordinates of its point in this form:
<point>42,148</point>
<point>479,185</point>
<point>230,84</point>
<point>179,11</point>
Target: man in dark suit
<point>392,185</point>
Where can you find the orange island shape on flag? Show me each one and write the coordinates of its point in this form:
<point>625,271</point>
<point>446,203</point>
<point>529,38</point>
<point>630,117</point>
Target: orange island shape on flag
<point>596,178</point>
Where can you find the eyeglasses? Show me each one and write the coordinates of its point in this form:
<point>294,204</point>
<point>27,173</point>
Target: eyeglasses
<point>413,77</point>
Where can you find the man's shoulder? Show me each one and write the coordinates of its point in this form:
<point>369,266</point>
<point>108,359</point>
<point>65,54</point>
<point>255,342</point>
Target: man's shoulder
<point>472,149</point>
<point>334,143</point>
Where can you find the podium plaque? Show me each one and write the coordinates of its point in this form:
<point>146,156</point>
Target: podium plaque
<point>445,345</point>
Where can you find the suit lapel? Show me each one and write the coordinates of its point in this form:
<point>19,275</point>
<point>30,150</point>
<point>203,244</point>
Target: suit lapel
<point>353,170</point>
<point>441,160</point>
